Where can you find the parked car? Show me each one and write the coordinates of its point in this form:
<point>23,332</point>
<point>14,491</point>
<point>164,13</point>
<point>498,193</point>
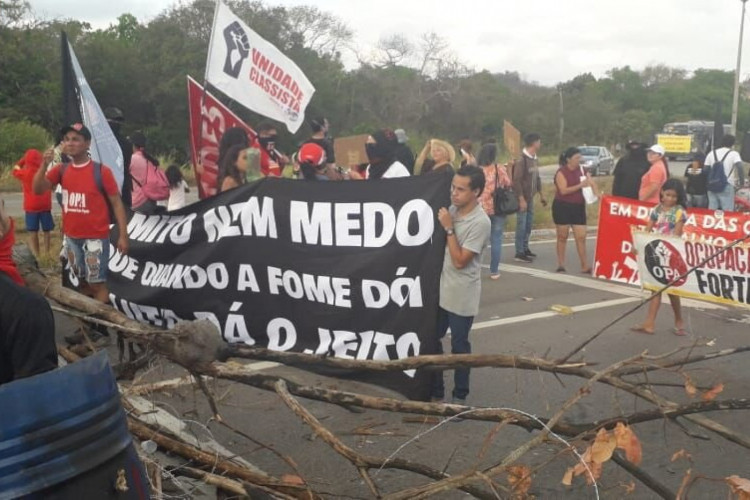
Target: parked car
<point>597,160</point>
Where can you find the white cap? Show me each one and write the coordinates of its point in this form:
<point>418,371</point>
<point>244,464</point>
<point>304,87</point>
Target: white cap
<point>657,148</point>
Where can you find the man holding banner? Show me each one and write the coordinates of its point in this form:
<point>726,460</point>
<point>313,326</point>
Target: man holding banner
<point>468,231</point>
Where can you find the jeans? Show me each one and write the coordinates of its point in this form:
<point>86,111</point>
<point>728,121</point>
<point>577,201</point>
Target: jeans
<point>460,327</point>
<point>697,200</point>
<point>723,200</point>
<point>496,241</point>
<point>524,221</point>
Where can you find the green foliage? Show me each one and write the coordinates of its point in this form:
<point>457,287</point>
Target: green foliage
<point>413,82</point>
<point>17,137</point>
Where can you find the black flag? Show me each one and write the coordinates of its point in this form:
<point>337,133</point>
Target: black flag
<point>71,93</point>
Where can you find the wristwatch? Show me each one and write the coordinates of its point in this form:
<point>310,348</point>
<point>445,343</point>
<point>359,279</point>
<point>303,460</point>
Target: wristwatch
<point>449,231</point>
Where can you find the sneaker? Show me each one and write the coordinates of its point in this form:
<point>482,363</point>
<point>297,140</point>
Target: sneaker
<point>458,401</point>
<point>435,399</point>
<point>523,258</point>
<point>529,253</point>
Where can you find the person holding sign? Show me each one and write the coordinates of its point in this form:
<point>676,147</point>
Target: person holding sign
<point>467,230</point>
<point>569,206</point>
<point>668,218</point>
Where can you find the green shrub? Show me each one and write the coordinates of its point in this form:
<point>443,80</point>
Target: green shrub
<point>17,137</point>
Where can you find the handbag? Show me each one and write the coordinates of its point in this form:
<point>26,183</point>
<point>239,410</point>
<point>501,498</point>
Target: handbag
<point>158,188</point>
<point>504,199</point>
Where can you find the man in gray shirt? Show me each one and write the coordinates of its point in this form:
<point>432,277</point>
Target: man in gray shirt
<point>468,231</point>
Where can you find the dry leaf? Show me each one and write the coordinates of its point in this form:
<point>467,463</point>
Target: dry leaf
<point>681,454</point>
<point>519,478</point>
<point>711,394</point>
<point>740,486</point>
<point>683,486</point>
<point>292,479</point>
<point>603,447</point>
<point>628,441</point>
<point>596,471</point>
<point>690,387</point>
<point>567,479</point>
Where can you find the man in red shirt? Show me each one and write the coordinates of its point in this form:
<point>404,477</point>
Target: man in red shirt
<point>86,211</point>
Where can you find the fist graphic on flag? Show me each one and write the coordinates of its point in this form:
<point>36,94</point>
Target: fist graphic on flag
<point>238,48</point>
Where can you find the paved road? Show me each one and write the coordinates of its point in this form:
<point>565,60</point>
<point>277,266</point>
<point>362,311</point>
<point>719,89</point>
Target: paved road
<point>547,173</point>
<point>515,317</point>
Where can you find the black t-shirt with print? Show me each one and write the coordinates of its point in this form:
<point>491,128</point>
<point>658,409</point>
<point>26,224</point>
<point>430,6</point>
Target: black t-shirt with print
<point>27,333</point>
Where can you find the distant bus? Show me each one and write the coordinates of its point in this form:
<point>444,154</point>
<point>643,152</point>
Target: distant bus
<point>682,139</point>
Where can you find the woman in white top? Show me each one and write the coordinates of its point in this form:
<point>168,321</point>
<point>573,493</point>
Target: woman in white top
<point>381,149</point>
<point>177,188</point>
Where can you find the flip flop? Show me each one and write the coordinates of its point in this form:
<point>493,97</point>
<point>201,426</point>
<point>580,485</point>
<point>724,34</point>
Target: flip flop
<point>495,276</point>
<point>560,269</point>
<point>586,271</point>
<point>680,332</point>
<point>641,329</point>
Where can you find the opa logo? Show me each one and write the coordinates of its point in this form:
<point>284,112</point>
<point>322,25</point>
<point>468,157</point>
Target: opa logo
<point>664,262</point>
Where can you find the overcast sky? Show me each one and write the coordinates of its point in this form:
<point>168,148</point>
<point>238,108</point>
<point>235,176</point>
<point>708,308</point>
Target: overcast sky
<point>548,41</point>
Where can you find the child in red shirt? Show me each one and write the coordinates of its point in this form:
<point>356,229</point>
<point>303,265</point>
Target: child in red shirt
<point>38,207</point>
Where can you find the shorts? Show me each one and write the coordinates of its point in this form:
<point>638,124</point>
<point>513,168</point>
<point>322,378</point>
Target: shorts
<point>35,219</point>
<point>568,214</point>
<point>89,258</point>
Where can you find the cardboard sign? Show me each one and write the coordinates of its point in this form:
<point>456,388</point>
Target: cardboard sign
<point>511,139</point>
<point>350,151</point>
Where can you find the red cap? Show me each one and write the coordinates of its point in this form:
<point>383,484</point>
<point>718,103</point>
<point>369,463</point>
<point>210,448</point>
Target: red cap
<point>312,153</point>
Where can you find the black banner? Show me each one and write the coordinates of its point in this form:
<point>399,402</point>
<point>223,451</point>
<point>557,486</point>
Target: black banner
<point>347,269</point>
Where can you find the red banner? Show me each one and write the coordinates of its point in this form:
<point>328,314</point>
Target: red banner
<point>614,259</point>
<point>207,125</point>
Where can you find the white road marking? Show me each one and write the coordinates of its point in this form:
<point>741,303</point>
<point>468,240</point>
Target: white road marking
<point>542,242</point>
<point>599,284</point>
<point>548,314</point>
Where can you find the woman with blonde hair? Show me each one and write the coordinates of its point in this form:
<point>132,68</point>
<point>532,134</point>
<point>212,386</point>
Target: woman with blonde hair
<point>436,156</point>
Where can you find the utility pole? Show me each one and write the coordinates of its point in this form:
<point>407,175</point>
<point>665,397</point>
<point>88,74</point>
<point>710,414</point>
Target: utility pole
<point>736,97</point>
<point>562,116</point>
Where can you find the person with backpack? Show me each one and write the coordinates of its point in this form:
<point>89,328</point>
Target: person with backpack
<point>150,184</point>
<point>89,192</point>
<point>725,172</point>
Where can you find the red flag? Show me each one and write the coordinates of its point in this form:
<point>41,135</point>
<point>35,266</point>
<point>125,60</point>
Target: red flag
<point>207,125</point>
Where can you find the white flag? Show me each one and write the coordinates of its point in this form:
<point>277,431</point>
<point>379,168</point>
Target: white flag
<point>255,73</point>
<point>104,146</point>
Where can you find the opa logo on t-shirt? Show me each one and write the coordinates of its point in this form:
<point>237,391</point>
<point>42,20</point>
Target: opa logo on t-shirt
<point>664,262</point>
<point>74,202</point>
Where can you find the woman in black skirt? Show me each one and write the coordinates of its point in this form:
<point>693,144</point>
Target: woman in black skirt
<point>569,207</point>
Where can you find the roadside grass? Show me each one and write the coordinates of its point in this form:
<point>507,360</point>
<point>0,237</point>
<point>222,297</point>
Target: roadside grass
<point>8,183</point>
<point>50,264</point>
